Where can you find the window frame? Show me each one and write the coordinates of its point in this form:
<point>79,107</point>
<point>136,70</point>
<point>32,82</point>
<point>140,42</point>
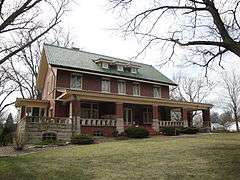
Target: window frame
<point>139,89</point>
<point>158,88</point>
<point>105,65</point>
<point>120,69</point>
<point>109,84</point>
<point>71,82</point>
<point>125,87</point>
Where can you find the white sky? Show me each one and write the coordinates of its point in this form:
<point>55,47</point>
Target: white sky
<point>90,24</point>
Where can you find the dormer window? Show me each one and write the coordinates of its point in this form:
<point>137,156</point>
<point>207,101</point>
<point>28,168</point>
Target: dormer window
<point>105,65</point>
<point>120,68</point>
<point>134,70</point>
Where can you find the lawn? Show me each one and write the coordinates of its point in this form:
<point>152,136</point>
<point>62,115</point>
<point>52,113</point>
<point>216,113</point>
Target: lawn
<point>204,156</point>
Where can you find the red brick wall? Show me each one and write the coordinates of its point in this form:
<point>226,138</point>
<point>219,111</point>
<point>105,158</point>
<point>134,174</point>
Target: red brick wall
<point>63,78</point>
<point>61,110</point>
<point>129,87</point>
<point>146,89</point>
<point>113,86</point>
<point>107,131</point>
<point>165,91</point>
<point>93,83</point>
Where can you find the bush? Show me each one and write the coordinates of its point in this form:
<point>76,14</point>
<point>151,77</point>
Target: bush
<point>189,130</point>
<point>136,132</point>
<point>81,139</point>
<point>5,137</point>
<point>170,131</point>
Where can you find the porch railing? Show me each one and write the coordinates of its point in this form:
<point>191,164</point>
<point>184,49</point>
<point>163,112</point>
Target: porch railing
<point>170,123</point>
<point>50,120</point>
<point>97,122</point>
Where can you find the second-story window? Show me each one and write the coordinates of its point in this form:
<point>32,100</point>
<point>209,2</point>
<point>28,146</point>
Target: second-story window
<point>76,81</point>
<point>157,92</point>
<point>136,89</point>
<point>105,85</point>
<point>122,87</point>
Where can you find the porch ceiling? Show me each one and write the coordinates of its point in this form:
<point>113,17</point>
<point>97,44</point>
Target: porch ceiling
<point>69,95</point>
<point>31,102</point>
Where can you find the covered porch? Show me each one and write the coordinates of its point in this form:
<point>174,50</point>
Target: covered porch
<point>120,111</point>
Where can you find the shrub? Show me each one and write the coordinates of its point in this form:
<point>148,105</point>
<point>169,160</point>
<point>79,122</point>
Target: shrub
<point>136,132</point>
<point>189,130</point>
<point>81,139</point>
<point>115,133</point>
<point>170,131</point>
<point>6,137</point>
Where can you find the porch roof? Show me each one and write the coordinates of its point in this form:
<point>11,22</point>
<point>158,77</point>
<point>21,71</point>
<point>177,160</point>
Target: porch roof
<point>69,95</point>
<point>31,102</point>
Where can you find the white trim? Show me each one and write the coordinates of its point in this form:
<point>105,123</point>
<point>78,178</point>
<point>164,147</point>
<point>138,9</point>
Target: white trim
<point>118,77</point>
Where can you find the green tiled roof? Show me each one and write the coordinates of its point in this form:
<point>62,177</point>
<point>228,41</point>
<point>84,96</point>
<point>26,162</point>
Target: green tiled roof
<point>76,59</point>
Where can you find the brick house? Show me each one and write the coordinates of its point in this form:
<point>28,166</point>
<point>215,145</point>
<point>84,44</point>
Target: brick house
<point>95,94</point>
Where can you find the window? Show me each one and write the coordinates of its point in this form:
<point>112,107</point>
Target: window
<point>136,89</point>
<point>89,110</point>
<point>134,70</point>
<point>120,68</point>
<point>147,116</point>
<point>76,81</point>
<point>121,87</point>
<point>157,92</point>
<point>105,85</point>
<point>104,65</point>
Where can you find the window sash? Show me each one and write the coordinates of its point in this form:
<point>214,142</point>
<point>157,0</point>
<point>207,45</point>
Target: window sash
<point>121,87</point>
<point>105,85</point>
<point>76,81</point>
<point>136,90</point>
<point>157,92</point>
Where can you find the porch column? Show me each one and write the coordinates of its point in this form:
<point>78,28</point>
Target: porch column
<point>119,117</point>
<point>155,124</point>
<point>184,116</point>
<point>75,110</point>
<point>206,118</point>
<point>190,118</point>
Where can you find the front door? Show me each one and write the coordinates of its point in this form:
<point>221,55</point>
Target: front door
<point>128,116</point>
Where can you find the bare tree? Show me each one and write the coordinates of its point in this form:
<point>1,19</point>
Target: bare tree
<point>231,101</point>
<point>191,89</point>
<point>6,90</point>
<point>207,28</point>
<point>23,68</point>
<point>24,17</point>
<point>226,119</point>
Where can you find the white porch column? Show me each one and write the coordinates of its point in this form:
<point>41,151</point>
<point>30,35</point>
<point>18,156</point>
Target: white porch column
<point>119,117</point>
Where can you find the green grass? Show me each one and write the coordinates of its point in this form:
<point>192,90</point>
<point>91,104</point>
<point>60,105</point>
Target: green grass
<point>208,156</point>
